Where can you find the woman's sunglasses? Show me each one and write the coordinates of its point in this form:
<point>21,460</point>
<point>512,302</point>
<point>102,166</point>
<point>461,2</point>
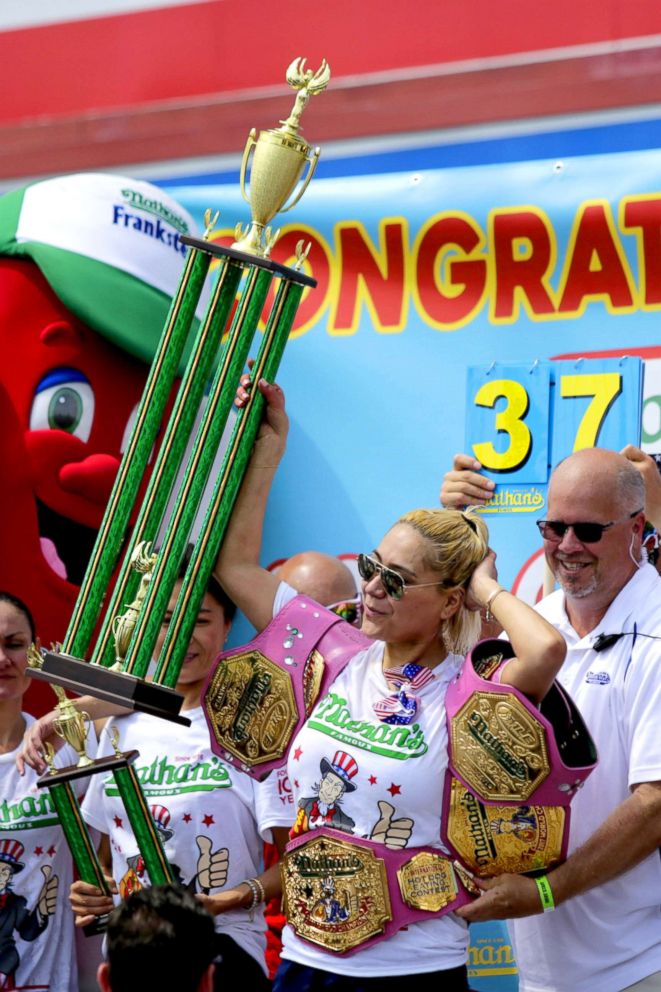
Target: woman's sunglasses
<point>392,581</point>
<point>586,533</point>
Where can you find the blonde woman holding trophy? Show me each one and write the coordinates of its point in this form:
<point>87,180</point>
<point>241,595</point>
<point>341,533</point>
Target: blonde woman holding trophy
<point>367,767</point>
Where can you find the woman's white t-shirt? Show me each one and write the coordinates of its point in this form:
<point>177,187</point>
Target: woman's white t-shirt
<point>204,807</point>
<point>33,851</point>
<point>398,774</point>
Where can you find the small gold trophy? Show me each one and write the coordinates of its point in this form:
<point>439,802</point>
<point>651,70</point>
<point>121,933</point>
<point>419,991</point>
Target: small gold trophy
<point>279,158</point>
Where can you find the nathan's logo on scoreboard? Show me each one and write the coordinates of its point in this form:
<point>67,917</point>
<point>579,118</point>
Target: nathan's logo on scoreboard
<point>514,500</point>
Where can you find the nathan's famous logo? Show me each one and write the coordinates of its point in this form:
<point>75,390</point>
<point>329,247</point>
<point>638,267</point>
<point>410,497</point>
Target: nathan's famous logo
<point>321,865</point>
<point>332,717</point>
<point>153,206</point>
<point>163,778</point>
<point>454,267</point>
<point>495,747</point>
<point>484,849</point>
<point>28,812</point>
<point>156,229</point>
<point>512,499</point>
<point>251,701</point>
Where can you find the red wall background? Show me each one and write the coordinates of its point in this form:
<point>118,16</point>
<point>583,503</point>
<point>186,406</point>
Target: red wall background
<point>184,81</point>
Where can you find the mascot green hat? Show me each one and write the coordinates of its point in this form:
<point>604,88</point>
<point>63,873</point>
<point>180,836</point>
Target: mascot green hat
<point>110,248</point>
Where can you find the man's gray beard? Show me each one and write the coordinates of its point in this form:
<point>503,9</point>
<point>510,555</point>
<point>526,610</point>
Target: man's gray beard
<point>580,593</point>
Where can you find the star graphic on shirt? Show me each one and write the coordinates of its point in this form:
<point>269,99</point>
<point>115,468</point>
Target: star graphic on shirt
<point>372,780</point>
<point>118,821</point>
<point>297,753</point>
<point>394,790</point>
<point>52,850</point>
<point>38,850</point>
<point>208,820</point>
<point>187,818</point>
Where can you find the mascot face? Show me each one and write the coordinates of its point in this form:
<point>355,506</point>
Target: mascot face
<point>74,395</point>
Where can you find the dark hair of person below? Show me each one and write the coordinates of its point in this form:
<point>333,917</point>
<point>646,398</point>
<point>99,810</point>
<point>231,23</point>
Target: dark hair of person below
<point>161,938</point>
<point>18,604</point>
<point>214,587</point>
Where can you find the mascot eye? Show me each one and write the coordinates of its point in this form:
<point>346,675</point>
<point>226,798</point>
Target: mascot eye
<point>64,401</point>
<point>130,424</point>
<point>128,430</point>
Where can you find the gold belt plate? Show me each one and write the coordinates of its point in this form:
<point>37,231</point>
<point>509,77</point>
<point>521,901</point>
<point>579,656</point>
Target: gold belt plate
<point>335,893</point>
<point>498,747</point>
<point>427,881</point>
<point>494,839</point>
<point>252,708</point>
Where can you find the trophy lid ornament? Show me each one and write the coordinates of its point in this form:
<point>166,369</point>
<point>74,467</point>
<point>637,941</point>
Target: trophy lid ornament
<point>278,162</point>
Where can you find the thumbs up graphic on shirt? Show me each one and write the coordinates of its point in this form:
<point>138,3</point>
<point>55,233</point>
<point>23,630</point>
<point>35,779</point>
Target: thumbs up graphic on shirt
<point>48,893</point>
<point>393,833</point>
<point>211,867</point>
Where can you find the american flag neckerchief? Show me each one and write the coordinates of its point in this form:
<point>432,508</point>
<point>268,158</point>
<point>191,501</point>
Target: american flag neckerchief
<point>402,705</point>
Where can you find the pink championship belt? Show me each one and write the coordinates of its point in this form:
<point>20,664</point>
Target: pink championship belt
<point>344,893</point>
<point>258,696</point>
<point>513,768</point>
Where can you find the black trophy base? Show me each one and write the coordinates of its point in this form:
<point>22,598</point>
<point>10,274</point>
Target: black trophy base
<point>221,251</point>
<point>116,687</point>
<point>98,925</point>
<point>96,767</point>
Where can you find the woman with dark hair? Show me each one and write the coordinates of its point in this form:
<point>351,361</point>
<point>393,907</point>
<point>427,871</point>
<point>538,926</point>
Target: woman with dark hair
<point>36,925</point>
<point>212,820</point>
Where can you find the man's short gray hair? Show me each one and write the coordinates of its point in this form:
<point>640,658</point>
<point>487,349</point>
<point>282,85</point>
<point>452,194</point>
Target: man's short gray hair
<point>630,489</point>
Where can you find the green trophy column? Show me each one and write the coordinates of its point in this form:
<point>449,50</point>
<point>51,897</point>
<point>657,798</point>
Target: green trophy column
<point>219,405</point>
<point>78,837</point>
<point>236,459</point>
<point>131,471</point>
<point>189,396</point>
<point>142,824</point>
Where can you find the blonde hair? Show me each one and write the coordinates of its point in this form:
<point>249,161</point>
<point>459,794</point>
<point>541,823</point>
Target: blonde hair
<point>456,543</point>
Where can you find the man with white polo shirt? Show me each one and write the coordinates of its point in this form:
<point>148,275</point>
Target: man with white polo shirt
<point>594,923</point>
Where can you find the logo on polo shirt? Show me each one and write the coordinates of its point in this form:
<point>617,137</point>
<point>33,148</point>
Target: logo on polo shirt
<point>598,678</point>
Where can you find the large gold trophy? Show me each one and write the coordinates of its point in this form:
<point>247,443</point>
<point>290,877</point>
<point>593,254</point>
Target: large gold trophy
<point>110,641</point>
<point>279,159</point>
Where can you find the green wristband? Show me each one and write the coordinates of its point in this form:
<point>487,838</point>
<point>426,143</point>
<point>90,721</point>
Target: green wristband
<point>545,893</point>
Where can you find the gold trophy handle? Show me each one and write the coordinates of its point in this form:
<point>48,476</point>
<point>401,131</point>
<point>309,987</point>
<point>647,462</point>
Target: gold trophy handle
<point>250,145</point>
<point>305,182</point>
<point>58,730</point>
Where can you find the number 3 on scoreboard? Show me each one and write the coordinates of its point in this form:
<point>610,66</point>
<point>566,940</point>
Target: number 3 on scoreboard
<point>508,421</point>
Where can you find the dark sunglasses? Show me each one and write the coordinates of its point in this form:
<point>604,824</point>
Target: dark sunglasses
<point>586,533</point>
<point>392,581</point>
<point>349,610</point>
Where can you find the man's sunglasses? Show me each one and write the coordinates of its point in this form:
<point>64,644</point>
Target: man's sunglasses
<point>586,533</point>
<point>349,609</point>
<point>392,581</point>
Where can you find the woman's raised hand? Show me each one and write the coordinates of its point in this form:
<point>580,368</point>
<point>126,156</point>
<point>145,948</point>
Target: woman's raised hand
<point>272,435</point>
<point>483,582</point>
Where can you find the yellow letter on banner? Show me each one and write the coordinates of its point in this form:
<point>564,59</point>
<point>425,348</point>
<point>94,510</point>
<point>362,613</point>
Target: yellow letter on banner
<point>508,421</point>
<point>604,388</point>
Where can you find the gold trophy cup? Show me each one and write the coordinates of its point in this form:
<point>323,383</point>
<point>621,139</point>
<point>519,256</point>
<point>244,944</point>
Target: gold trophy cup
<point>278,162</point>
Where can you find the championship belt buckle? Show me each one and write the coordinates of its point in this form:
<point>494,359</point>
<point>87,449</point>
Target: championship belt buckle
<point>498,748</point>
<point>492,839</point>
<point>342,894</point>
<point>251,707</point>
<point>427,881</point>
<point>335,893</point>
